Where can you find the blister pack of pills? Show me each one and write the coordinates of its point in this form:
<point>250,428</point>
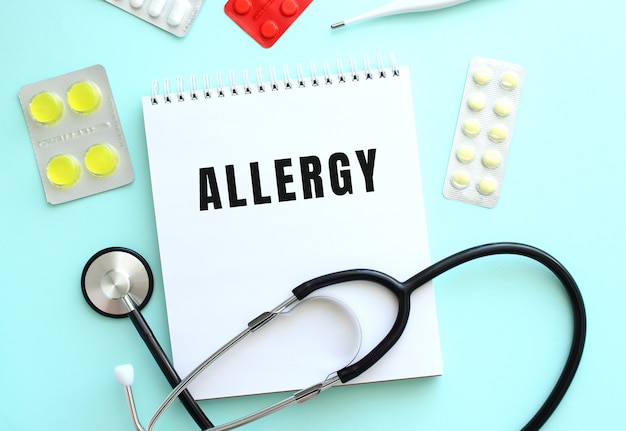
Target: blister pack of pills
<point>76,134</point>
<point>483,132</point>
<point>264,20</point>
<point>173,16</point>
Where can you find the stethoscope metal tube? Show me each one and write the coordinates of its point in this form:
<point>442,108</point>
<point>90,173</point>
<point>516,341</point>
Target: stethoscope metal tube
<point>117,282</point>
<point>297,398</point>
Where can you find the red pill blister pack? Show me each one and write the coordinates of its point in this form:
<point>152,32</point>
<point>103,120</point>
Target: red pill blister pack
<point>265,20</point>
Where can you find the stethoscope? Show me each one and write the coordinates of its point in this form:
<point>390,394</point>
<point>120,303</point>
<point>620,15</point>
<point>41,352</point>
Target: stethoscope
<point>118,282</point>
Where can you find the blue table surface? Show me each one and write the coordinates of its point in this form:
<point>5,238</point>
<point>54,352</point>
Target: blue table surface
<point>505,323</point>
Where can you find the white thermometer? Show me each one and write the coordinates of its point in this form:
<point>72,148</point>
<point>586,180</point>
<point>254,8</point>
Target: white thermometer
<point>398,7</point>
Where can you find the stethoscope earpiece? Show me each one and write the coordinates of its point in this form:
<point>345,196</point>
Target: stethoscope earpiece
<point>124,374</point>
<point>115,273</point>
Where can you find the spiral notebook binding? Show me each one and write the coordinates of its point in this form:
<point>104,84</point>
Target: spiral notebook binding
<point>368,69</point>
<point>314,81</point>
<point>300,76</point>
<point>233,89</point>
<point>246,82</point>
<point>273,80</point>
<point>287,78</point>
<point>394,68</point>
<point>233,84</point>
<point>327,76</point>
<point>167,91</point>
<point>180,96</point>
<point>155,92</point>
<point>355,73</point>
<point>340,73</point>
<point>260,86</point>
<point>381,68</point>
<point>207,86</point>
<point>193,87</point>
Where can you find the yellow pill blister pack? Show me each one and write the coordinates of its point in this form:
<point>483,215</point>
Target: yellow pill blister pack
<point>173,16</point>
<point>76,135</point>
<point>483,132</point>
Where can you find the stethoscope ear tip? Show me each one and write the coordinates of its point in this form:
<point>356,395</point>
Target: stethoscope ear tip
<point>124,374</point>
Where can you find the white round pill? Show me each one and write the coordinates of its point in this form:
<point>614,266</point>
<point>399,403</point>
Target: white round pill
<point>491,159</point>
<point>498,133</point>
<point>503,107</point>
<point>466,153</point>
<point>471,128</point>
<point>460,180</point>
<point>509,80</point>
<point>482,75</point>
<point>487,186</point>
<point>477,102</point>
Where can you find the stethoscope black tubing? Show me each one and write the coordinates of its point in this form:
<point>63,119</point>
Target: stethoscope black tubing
<point>402,291</point>
<point>147,335</point>
<point>168,369</point>
<point>394,286</point>
<point>578,310</point>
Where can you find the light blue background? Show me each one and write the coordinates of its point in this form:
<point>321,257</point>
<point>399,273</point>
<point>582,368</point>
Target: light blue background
<point>505,323</point>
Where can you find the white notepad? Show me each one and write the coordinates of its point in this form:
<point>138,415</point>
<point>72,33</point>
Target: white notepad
<point>260,185</point>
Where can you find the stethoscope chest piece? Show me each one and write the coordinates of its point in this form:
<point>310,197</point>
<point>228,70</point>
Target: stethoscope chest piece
<point>115,273</point>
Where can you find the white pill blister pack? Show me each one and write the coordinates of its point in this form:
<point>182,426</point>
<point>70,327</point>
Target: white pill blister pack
<point>483,132</point>
<point>173,16</point>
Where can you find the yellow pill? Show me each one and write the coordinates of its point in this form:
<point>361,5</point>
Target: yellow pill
<point>477,102</point>
<point>497,133</point>
<point>487,185</point>
<point>466,153</point>
<point>491,159</point>
<point>84,97</point>
<point>503,107</point>
<point>482,75</point>
<point>509,80</point>
<point>101,160</point>
<point>460,179</point>
<point>46,108</point>
<point>471,128</point>
<point>63,171</point>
